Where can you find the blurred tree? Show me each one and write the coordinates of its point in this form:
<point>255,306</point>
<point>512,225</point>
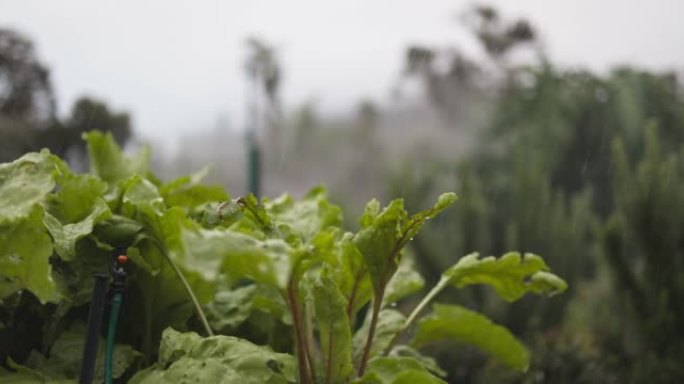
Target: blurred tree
<point>88,113</point>
<point>25,89</point>
<point>263,64</point>
<point>26,96</point>
<point>452,90</point>
<point>64,138</point>
<point>499,37</point>
<point>581,114</point>
<point>543,180</point>
<point>28,119</point>
<point>16,138</point>
<point>458,85</point>
<point>644,246</point>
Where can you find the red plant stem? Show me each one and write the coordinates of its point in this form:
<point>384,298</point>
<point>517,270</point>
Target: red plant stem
<point>377,304</point>
<point>299,339</point>
<point>307,334</point>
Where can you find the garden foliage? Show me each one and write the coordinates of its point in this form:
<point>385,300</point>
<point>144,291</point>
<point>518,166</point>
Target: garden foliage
<point>225,290</point>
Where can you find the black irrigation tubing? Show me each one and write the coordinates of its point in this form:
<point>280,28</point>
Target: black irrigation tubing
<point>97,304</point>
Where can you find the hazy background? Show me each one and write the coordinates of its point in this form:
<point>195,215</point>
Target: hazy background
<point>177,67</point>
<point>560,125</point>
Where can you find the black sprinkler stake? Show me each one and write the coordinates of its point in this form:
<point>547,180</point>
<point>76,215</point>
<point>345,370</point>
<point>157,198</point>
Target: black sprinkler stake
<point>97,303</point>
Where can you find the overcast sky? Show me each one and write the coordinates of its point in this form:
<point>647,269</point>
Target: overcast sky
<point>177,66</point>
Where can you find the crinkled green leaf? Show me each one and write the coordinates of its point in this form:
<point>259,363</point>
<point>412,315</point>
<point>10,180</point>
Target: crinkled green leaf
<point>187,371</point>
<point>390,322</point>
<point>26,182</point>
<point>65,235</point>
<point>168,299</point>
<point>458,323</point>
<point>160,234</point>
<point>165,300</point>
<point>333,328</point>
<point>184,181</point>
<point>75,197</point>
<point>142,203</point>
<point>444,201</point>
<point>405,282</point>
<point>255,218</point>
<point>108,161</point>
<point>188,358</point>
<point>352,275</point>
<point>25,249</point>
<point>269,300</point>
<point>230,308</point>
<point>25,375</point>
<point>548,283</point>
<point>307,216</point>
<point>221,214</point>
<point>321,249</point>
<point>426,361</point>
<point>511,275</point>
<point>117,231</point>
<point>135,255</point>
<point>163,295</point>
<point>381,239</point>
<point>384,233</point>
<point>140,192</point>
<point>397,370</point>
<point>187,192</point>
<point>196,195</point>
<point>162,298</point>
<point>212,251</point>
<point>65,357</point>
<point>74,279</point>
<point>72,212</point>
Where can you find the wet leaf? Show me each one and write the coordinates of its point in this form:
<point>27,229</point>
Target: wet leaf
<point>188,193</point>
<point>24,183</point>
<point>384,233</point>
<point>390,322</point>
<point>186,358</point>
<point>333,327</point>
<point>25,249</point>
<point>405,282</point>
<point>307,216</point>
<point>64,361</point>
<point>397,370</point>
<point>108,162</point>
<point>458,323</point>
<point>511,275</point>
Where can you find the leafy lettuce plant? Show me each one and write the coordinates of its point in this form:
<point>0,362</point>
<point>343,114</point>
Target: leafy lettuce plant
<point>242,272</point>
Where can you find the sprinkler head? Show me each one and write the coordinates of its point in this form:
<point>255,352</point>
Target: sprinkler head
<point>121,260</point>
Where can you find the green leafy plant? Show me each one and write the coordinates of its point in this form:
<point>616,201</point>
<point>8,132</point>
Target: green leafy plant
<point>242,272</point>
